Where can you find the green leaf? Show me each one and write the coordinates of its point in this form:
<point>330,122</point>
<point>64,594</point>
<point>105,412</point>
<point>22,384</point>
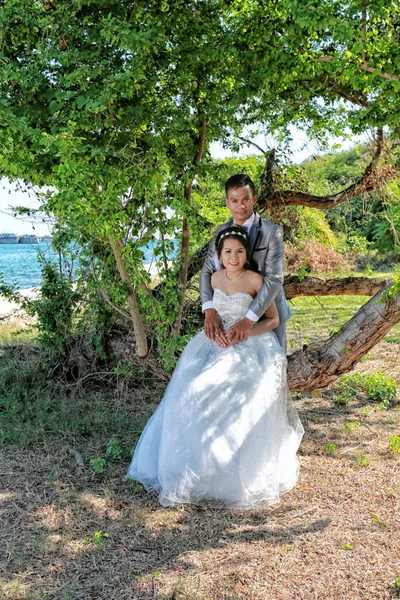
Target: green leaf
<point>55,106</point>
<point>81,101</point>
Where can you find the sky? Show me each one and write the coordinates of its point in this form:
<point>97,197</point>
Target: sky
<point>301,149</point>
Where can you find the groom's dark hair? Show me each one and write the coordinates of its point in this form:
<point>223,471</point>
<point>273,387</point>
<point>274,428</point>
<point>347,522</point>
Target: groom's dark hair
<point>239,180</point>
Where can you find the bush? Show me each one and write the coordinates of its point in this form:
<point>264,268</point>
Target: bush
<point>55,311</point>
<point>314,256</point>
<point>376,387</point>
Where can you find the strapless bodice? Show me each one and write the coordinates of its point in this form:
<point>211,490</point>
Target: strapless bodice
<point>231,307</point>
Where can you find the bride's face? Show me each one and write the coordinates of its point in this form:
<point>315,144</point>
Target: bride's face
<point>233,255</point>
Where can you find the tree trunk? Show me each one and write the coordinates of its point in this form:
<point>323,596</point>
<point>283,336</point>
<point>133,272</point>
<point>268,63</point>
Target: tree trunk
<point>182,276</point>
<point>320,363</point>
<point>140,334</point>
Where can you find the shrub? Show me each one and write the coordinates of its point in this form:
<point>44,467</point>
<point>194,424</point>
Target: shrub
<point>376,387</point>
<point>56,310</point>
<point>357,244</point>
<point>379,388</point>
<point>394,443</point>
<point>361,459</point>
<point>98,464</point>
<point>314,256</point>
<point>330,448</point>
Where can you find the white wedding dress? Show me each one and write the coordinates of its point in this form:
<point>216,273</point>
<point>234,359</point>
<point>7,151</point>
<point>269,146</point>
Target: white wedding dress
<point>224,432</point>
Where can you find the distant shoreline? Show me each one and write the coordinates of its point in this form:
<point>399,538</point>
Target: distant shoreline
<point>7,308</point>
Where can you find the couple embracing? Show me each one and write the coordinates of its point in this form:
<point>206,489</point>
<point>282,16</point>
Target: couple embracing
<point>225,432</point>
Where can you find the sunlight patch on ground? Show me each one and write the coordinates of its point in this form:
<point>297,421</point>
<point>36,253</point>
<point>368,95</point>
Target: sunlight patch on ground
<point>96,503</point>
<point>14,589</point>
<point>7,497</point>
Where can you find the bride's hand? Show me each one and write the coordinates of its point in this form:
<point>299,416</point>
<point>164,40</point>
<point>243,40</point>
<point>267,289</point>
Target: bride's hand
<point>239,332</point>
<point>221,340</point>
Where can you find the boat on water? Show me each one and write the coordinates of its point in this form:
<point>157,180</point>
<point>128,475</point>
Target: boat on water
<point>28,239</point>
<point>13,238</point>
<point>8,238</point>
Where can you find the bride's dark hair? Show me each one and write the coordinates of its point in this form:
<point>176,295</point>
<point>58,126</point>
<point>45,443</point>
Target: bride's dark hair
<point>234,232</point>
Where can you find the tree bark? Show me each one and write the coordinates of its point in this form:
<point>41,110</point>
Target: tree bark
<point>140,334</point>
<point>345,286</point>
<point>320,363</point>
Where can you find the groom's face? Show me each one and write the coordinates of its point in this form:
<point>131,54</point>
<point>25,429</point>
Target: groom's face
<point>240,202</point>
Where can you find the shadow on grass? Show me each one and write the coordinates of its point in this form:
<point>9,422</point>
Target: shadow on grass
<point>77,537</point>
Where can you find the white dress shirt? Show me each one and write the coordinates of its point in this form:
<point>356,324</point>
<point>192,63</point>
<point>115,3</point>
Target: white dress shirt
<point>210,304</point>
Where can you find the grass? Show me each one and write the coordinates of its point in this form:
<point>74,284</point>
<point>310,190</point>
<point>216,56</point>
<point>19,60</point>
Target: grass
<point>70,531</point>
<point>316,317</point>
<point>14,332</point>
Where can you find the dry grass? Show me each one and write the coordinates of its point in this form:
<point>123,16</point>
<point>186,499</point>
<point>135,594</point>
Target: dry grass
<point>334,537</point>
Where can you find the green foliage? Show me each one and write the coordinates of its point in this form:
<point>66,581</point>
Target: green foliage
<point>330,448</point>
<point>313,225</point>
<point>97,539</point>
<point>361,460</point>
<point>378,520</point>
<point>376,387</point>
<point>346,546</point>
<point>368,221</point>
<point>105,105</point>
<point>115,451</point>
<point>397,583</point>
<point>333,171</point>
<point>55,310</point>
<point>352,426</point>
<point>357,244</point>
<point>335,330</point>
<point>98,464</point>
<point>395,288</point>
<point>394,443</point>
<point>368,271</point>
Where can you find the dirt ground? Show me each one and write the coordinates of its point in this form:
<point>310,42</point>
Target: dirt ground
<point>66,534</point>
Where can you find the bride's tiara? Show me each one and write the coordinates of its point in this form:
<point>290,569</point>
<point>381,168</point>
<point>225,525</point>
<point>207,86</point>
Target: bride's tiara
<point>233,232</point>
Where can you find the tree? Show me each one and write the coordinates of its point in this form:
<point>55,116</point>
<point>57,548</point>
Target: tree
<point>114,106</point>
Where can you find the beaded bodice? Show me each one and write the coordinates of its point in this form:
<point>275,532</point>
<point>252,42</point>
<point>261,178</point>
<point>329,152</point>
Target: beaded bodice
<point>231,308</point>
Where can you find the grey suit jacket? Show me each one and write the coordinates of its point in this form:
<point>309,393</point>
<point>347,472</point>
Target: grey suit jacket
<point>266,241</point>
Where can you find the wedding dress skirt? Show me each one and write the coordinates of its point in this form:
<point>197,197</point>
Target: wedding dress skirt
<point>225,432</point>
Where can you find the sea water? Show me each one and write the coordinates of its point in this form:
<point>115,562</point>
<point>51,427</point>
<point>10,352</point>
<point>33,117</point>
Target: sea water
<point>19,262</point>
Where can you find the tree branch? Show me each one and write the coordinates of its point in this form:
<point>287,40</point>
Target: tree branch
<point>370,180</point>
<point>362,65</point>
<point>344,286</point>
<point>251,143</point>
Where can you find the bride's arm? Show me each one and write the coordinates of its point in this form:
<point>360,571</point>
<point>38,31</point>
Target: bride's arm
<point>271,321</point>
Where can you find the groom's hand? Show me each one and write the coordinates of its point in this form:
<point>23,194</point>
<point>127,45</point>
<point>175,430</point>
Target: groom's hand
<point>213,327</point>
<point>240,331</point>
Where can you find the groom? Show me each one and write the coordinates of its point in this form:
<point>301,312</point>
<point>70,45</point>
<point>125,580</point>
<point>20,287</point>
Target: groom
<point>266,241</point>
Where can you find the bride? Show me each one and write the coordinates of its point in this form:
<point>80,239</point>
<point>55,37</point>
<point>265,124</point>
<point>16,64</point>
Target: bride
<point>224,433</point>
